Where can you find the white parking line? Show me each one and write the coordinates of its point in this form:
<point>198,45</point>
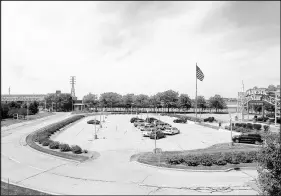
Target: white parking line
<point>13,159</point>
<point>36,168</point>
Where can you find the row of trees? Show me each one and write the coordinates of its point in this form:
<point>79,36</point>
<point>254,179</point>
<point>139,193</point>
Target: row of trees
<point>167,99</point>
<point>9,109</point>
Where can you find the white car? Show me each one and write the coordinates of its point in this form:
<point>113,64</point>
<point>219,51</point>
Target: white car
<point>146,133</point>
<point>171,131</point>
<point>142,127</point>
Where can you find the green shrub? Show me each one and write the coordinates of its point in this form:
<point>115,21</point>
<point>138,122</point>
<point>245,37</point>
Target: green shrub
<point>269,159</point>
<point>76,149</point>
<point>244,125</point>
<point>249,126</point>
<point>192,160</point>
<point>46,142</point>
<point>54,145</point>
<point>206,159</point>
<point>266,128</point>
<point>238,124</point>
<point>227,127</point>
<point>64,147</point>
<point>220,161</point>
<point>242,157</point>
<point>257,126</point>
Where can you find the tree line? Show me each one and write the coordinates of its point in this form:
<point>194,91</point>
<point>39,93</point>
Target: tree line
<point>9,109</point>
<point>167,99</point>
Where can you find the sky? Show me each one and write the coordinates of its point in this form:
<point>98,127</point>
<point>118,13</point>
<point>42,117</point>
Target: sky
<point>139,47</point>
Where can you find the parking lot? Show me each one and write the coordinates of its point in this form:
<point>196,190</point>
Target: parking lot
<point>118,134</point>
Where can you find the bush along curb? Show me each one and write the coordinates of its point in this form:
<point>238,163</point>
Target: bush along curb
<point>161,166</point>
<point>42,136</point>
<point>222,161</point>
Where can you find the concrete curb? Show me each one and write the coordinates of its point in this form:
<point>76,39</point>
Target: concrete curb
<point>192,170</point>
<point>28,187</point>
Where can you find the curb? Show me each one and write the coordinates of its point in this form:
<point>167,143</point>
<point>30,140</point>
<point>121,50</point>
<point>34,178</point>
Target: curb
<point>192,170</point>
<point>28,187</point>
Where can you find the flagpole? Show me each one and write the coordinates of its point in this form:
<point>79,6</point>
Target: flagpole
<point>196,93</point>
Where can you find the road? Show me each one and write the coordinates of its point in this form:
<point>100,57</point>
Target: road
<point>111,173</point>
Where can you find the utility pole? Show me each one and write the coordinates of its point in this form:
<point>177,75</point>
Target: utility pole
<point>9,90</point>
<point>72,82</point>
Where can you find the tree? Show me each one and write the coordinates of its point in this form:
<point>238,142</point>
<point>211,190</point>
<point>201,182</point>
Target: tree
<point>269,161</point>
<point>62,102</point>
<point>91,100</point>
<point>14,104</point>
<point>128,100</point>
<point>154,101</point>
<point>33,107</point>
<point>4,110</point>
<point>169,98</point>
<point>217,102</point>
<point>142,101</point>
<point>201,102</point>
<point>184,101</point>
<point>271,87</point>
<point>110,99</point>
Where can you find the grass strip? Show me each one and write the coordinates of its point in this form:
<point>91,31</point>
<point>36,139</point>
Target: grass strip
<point>17,190</point>
<point>160,159</point>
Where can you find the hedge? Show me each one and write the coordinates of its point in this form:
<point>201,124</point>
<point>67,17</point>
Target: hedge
<point>217,158</point>
<point>43,134</point>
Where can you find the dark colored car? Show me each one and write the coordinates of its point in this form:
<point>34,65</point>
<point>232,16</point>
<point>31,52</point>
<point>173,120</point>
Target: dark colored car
<point>150,120</point>
<point>159,135</point>
<point>180,120</point>
<point>134,119</point>
<point>252,138</point>
<point>95,122</point>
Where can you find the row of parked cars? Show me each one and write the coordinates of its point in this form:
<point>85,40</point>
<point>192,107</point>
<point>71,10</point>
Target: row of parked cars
<point>154,128</point>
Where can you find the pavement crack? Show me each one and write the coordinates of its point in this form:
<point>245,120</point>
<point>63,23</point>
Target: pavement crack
<point>84,179</point>
<point>40,173</point>
<point>200,189</point>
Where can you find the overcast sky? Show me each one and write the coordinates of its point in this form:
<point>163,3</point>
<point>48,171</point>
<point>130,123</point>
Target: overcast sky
<point>139,47</point>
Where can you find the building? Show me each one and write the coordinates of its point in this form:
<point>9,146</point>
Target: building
<point>78,105</point>
<point>23,98</point>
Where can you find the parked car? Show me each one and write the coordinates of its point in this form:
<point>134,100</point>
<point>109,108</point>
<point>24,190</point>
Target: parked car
<point>180,120</point>
<point>96,122</point>
<point>150,119</point>
<point>138,122</point>
<point>253,138</point>
<point>141,124</point>
<point>158,134</point>
<point>147,125</point>
<point>166,125</point>
<point>134,119</point>
<point>171,131</point>
<point>147,131</point>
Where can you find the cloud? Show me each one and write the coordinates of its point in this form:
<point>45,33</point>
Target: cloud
<point>251,25</point>
<point>130,25</point>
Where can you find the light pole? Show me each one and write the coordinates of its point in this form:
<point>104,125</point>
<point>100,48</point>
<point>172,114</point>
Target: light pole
<point>231,144</point>
<point>26,110</point>
<point>95,128</point>
<point>155,138</point>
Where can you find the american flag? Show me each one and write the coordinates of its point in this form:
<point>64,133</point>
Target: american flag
<point>199,73</point>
